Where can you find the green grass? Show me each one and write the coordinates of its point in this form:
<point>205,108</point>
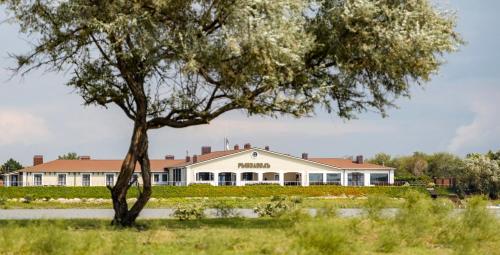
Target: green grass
<point>237,202</point>
<point>205,191</point>
<point>422,227</point>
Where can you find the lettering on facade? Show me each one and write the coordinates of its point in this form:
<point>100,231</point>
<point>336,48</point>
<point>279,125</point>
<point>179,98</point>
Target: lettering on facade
<point>254,165</point>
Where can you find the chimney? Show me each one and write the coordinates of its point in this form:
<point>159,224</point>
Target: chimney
<point>206,150</point>
<point>305,156</point>
<point>169,157</point>
<point>359,159</point>
<point>188,158</point>
<point>84,157</point>
<point>247,146</point>
<point>266,148</point>
<point>195,159</point>
<point>37,160</point>
<point>236,147</point>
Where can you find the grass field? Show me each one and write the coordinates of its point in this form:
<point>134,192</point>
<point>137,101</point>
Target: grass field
<point>205,191</point>
<point>421,227</point>
<point>236,202</point>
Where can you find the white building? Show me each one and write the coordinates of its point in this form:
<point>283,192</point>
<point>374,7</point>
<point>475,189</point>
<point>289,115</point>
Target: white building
<point>239,167</point>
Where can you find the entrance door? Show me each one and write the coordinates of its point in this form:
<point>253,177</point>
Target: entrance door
<point>356,179</point>
<point>14,180</point>
<point>227,179</point>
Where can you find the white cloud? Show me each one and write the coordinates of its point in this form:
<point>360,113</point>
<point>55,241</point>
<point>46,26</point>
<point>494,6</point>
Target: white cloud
<point>483,132</point>
<point>21,127</point>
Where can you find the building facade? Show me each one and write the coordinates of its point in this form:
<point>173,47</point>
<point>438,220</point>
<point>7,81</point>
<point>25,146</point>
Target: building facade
<point>236,167</point>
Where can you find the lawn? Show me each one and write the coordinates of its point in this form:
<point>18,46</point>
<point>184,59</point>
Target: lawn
<point>209,202</point>
<point>422,226</point>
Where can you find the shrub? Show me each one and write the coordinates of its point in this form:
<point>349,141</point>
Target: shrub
<point>189,211</point>
<point>225,209</point>
<point>3,201</point>
<point>324,237</point>
<point>208,191</point>
<point>328,210</point>
<point>28,199</point>
<point>374,205</point>
<point>275,208</point>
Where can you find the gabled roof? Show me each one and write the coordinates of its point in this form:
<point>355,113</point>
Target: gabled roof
<point>96,165</point>
<point>210,156</point>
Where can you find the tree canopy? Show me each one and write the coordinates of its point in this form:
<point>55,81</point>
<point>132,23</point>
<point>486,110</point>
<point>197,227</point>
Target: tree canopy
<point>69,156</point>
<point>10,166</point>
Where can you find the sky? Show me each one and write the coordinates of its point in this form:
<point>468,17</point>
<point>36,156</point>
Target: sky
<point>458,111</point>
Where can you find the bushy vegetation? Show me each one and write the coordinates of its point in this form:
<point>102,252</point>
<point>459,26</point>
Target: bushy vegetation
<point>189,211</point>
<point>206,191</point>
<point>421,226</point>
<point>474,174</point>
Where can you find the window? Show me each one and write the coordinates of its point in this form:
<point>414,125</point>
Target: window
<point>110,179</point>
<point>204,176</point>
<point>156,178</point>
<point>164,178</point>
<point>255,154</point>
<point>177,175</point>
<point>356,179</point>
<point>379,179</point>
<point>37,179</point>
<point>248,176</point>
<point>315,179</point>
<point>61,179</point>
<point>85,179</point>
<point>134,179</point>
<point>333,178</point>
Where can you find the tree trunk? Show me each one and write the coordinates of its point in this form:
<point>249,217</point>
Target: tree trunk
<point>137,153</point>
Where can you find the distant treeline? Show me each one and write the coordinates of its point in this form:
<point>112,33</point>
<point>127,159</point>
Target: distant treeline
<point>474,174</point>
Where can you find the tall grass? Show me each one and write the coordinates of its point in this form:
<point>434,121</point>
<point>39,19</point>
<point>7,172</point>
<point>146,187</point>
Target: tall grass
<point>421,226</point>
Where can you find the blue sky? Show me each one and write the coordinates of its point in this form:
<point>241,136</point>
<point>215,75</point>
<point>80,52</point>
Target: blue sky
<point>458,111</point>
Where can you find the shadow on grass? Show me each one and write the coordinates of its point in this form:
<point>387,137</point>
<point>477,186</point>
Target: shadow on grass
<point>143,225</point>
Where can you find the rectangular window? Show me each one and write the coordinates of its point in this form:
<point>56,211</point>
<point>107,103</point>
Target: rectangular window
<point>315,179</point>
<point>61,179</point>
<point>248,176</point>
<point>110,179</point>
<point>379,179</point>
<point>333,179</point>
<point>85,179</point>
<point>156,178</point>
<point>37,179</point>
<point>177,175</point>
<point>356,179</point>
<point>164,178</point>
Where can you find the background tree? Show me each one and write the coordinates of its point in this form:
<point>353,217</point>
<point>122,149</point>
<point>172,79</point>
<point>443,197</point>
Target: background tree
<point>444,165</point>
<point>480,175</point>
<point>10,166</point>
<point>69,156</point>
<point>382,159</point>
<point>181,63</point>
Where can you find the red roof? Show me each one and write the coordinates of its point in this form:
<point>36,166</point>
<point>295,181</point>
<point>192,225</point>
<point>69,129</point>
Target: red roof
<point>160,165</point>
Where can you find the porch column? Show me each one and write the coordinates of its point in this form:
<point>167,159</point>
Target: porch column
<point>366,176</point>
<point>304,178</point>
<point>238,179</point>
<point>324,178</point>
<point>260,176</point>
<point>216,178</point>
<point>7,180</point>
<point>281,178</point>
<point>391,176</point>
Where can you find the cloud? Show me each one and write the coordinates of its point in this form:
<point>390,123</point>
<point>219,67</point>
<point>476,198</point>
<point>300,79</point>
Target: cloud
<point>21,127</point>
<point>483,132</point>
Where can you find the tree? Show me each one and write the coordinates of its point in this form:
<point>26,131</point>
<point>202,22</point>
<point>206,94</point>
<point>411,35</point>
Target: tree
<point>69,156</point>
<point>493,155</point>
<point>10,166</point>
<point>480,175</point>
<point>444,165</point>
<point>181,63</point>
<point>382,159</point>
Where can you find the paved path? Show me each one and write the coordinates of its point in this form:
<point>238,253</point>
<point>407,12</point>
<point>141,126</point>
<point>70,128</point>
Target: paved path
<point>31,214</point>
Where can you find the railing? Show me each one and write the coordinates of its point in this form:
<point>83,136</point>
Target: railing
<point>356,183</point>
<point>227,183</point>
<point>259,182</point>
<point>292,183</point>
<point>338,183</point>
<point>204,182</point>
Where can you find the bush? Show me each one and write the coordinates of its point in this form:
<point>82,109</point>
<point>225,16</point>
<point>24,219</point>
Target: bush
<point>3,201</point>
<point>189,211</point>
<point>325,237</point>
<point>374,205</point>
<point>209,191</point>
<point>225,209</point>
<point>278,206</point>
<point>28,199</point>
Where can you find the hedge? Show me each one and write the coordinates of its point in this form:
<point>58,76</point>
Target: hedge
<point>204,191</point>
